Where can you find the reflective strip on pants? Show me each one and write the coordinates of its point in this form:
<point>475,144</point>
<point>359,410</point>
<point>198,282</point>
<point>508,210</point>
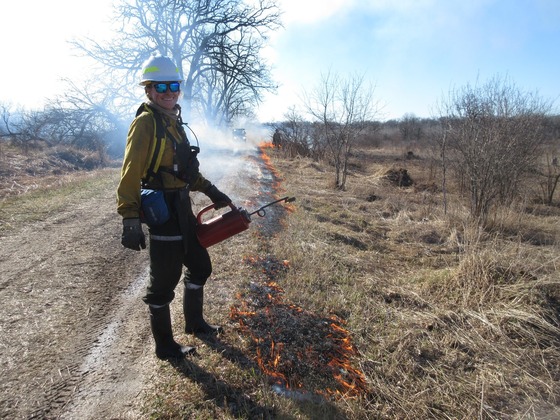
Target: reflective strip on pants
<point>166,238</point>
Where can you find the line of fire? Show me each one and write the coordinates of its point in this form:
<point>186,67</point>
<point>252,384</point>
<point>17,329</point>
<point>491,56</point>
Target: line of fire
<point>298,350</point>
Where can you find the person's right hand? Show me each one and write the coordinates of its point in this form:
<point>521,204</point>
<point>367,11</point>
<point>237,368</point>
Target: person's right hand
<point>133,236</point>
<point>219,199</point>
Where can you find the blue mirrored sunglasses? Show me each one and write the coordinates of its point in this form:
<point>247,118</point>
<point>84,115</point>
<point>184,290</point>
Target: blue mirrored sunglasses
<point>162,87</point>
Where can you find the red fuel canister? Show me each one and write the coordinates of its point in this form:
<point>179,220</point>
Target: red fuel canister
<point>221,227</point>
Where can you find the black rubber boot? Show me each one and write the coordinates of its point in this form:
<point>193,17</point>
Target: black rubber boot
<point>166,347</point>
<point>193,301</point>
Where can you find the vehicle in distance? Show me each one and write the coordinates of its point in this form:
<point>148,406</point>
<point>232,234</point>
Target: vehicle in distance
<point>239,134</point>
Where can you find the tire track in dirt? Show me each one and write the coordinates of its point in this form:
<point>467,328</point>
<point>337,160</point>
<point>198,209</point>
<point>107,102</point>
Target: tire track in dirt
<point>115,367</point>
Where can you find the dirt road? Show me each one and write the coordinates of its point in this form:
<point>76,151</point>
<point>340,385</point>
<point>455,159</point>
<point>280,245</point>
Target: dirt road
<point>74,336</point>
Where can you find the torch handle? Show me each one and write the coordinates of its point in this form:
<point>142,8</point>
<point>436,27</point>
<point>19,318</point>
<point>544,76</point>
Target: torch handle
<point>207,209</point>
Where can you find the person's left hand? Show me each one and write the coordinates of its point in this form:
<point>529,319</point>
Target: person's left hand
<point>133,237</point>
<point>219,199</point>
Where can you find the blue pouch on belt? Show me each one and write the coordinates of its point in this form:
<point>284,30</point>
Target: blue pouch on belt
<point>154,207</point>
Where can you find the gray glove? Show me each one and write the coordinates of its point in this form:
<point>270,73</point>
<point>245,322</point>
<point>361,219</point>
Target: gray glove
<point>133,236</point>
<point>219,199</point>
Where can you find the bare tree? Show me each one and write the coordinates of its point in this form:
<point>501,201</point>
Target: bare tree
<point>28,129</point>
<point>234,79</point>
<point>298,136</point>
<point>493,132</point>
<point>549,176</point>
<point>216,44</point>
<point>343,106</point>
<point>80,118</point>
<point>548,167</point>
<point>410,127</point>
<point>91,117</point>
<point>6,126</point>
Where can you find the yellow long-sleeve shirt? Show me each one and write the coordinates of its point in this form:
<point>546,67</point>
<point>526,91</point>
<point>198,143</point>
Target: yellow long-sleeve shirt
<point>136,162</point>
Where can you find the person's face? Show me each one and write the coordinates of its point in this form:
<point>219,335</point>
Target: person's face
<point>161,93</point>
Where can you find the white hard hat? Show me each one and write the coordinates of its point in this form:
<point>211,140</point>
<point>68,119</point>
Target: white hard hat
<point>159,69</point>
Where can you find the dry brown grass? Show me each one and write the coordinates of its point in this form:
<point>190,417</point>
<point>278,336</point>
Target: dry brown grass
<point>31,199</point>
<point>449,320</point>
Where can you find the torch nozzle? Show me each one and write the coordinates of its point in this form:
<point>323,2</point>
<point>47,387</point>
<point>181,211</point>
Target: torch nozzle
<point>260,211</point>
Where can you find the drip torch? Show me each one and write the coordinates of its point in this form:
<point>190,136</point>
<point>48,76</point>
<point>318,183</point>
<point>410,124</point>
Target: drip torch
<point>228,224</point>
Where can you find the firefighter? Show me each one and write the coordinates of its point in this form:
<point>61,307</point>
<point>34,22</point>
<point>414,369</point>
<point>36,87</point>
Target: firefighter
<point>160,163</point>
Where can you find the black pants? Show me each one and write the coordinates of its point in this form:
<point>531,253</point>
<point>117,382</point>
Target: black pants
<point>167,257</point>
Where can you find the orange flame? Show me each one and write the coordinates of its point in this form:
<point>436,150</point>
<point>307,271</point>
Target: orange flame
<point>285,364</point>
<point>268,164</point>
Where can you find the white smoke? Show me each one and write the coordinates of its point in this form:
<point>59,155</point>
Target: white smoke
<point>229,163</point>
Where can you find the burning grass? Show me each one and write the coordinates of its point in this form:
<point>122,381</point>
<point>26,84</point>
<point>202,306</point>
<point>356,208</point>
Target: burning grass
<point>301,353</point>
<point>297,349</point>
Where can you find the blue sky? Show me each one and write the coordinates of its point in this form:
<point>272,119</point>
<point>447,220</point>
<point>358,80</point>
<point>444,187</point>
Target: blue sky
<point>413,51</point>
